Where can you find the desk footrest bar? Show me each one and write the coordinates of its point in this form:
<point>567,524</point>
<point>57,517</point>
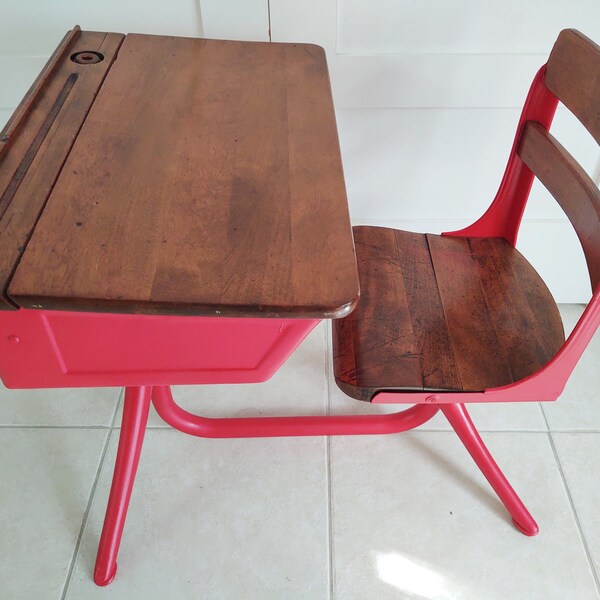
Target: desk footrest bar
<point>248,427</point>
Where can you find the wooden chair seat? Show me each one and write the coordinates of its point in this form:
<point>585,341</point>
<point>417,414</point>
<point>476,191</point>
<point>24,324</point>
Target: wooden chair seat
<point>442,313</point>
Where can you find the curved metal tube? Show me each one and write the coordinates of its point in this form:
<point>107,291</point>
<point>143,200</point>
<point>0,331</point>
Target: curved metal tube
<point>460,420</point>
<point>133,426</point>
<point>247,427</point>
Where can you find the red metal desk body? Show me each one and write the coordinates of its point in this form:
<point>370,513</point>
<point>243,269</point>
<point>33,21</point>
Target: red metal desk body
<point>53,349</point>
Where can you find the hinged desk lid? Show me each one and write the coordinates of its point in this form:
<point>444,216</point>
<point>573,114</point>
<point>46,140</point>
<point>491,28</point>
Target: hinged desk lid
<point>206,179</point>
<point>38,138</point>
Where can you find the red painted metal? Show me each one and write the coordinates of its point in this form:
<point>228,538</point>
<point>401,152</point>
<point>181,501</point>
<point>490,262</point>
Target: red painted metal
<point>133,426</point>
<point>135,416</point>
<point>247,427</point>
<point>458,417</point>
<point>134,421</point>
<point>503,217</point>
<point>44,348</point>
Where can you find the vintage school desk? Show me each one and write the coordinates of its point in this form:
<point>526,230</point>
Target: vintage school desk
<point>172,211</point>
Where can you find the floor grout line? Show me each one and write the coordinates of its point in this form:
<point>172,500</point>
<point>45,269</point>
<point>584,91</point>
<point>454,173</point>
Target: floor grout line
<point>521,431</point>
<point>17,426</point>
<point>420,429</point>
<point>116,412</point>
<point>543,414</point>
<point>480,430</point>
<point>114,421</point>
<point>331,564</point>
<point>90,499</point>
<point>574,430</point>
<point>584,543</point>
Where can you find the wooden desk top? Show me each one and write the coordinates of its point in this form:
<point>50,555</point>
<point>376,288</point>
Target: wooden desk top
<point>177,176</point>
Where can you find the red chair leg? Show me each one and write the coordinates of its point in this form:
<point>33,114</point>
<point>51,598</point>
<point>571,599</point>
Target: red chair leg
<point>461,422</point>
<point>133,427</point>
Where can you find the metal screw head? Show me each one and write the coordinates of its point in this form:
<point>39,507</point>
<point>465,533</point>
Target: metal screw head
<point>431,399</point>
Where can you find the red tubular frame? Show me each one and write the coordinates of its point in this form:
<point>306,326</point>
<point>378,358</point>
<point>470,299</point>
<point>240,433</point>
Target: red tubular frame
<point>461,423</point>
<point>247,427</point>
<point>133,426</point>
<point>135,415</point>
<point>502,219</point>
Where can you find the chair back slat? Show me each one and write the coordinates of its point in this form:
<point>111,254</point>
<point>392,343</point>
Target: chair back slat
<point>573,76</point>
<point>570,185</point>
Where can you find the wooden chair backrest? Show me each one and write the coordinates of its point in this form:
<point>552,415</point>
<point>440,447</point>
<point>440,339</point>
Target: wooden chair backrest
<point>573,76</point>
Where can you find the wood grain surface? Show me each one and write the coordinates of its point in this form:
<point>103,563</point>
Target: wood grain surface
<point>442,313</point>
<point>573,75</point>
<point>37,139</point>
<point>205,180</point>
<point>570,185</point>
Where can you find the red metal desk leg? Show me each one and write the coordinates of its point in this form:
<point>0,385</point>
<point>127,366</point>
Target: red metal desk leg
<point>135,416</point>
<point>461,422</point>
<point>133,427</point>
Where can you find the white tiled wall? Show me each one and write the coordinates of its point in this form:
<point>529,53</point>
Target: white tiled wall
<point>427,93</point>
<point>457,27</point>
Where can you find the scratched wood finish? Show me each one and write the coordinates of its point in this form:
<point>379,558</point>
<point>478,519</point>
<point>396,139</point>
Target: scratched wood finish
<point>382,341</point>
<point>438,368</point>
<point>570,185</point>
<point>573,75</point>
<point>443,314</point>
<point>469,322</point>
<point>206,179</point>
<point>38,138</point>
<point>523,313</point>
<point>395,271</point>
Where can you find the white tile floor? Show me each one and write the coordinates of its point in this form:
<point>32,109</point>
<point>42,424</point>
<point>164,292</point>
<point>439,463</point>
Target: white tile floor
<point>404,517</point>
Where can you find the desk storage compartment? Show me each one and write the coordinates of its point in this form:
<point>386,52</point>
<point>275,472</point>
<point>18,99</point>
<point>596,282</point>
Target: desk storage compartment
<point>40,348</point>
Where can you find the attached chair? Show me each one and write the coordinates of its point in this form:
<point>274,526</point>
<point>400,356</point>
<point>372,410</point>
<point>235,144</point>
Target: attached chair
<point>462,317</point>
